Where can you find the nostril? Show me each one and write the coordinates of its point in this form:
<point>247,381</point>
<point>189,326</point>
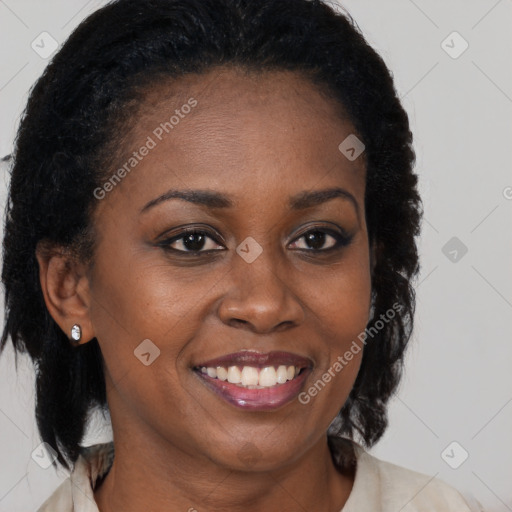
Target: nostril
<point>236,322</point>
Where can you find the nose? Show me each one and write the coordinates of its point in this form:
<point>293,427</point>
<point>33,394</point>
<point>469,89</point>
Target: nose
<point>259,298</point>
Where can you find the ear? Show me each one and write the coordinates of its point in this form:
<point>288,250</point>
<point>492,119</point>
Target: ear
<point>66,289</point>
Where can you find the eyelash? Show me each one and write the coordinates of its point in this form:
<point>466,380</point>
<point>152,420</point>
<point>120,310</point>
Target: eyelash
<point>341,240</point>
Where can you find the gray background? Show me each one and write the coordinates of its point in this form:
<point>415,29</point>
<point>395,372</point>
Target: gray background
<point>458,382</point>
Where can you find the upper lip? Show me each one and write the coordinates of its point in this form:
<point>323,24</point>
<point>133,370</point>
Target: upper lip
<point>258,359</point>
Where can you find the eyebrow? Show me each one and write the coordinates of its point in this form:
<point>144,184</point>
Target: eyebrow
<point>213,200</point>
<point>307,199</point>
<point>200,197</point>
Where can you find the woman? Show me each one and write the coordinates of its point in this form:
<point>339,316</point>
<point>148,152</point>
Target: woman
<point>211,229</point>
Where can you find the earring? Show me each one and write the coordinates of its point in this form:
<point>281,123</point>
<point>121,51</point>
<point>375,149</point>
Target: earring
<point>76,333</point>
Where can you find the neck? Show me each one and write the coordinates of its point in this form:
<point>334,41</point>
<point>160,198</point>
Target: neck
<point>167,479</point>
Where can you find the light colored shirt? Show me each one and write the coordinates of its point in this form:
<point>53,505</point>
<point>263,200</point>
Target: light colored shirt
<point>378,485</point>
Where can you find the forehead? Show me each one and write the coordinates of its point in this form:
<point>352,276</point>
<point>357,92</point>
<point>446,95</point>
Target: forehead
<point>237,86</point>
<point>230,129</point>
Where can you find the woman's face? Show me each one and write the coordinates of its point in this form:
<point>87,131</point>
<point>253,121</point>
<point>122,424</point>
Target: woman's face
<point>164,303</point>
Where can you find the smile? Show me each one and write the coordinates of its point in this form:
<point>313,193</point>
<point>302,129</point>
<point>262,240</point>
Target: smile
<point>254,381</point>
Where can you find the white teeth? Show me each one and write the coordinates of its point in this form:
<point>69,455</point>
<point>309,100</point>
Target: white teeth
<point>282,375</point>
<point>234,375</point>
<point>268,376</point>
<point>222,373</point>
<point>252,377</point>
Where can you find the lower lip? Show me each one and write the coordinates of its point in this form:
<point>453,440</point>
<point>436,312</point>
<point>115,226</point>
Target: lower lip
<point>267,399</point>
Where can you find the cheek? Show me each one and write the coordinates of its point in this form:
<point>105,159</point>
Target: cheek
<point>141,291</point>
<point>340,298</point>
<point>343,317</point>
<point>140,315</point>
<point>138,296</point>
<point>342,313</point>
<point>340,302</point>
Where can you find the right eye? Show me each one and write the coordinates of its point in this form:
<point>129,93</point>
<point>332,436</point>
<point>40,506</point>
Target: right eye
<point>191,241</point>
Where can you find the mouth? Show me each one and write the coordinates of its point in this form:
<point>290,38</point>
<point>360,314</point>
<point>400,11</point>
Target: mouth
<point>256,381</point>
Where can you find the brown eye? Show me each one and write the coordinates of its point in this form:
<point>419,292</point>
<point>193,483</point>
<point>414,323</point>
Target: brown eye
<point>321,240</point>
<point>191,241</point>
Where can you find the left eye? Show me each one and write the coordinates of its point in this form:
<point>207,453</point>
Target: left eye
<point>192,241</point>
<point>316,239</point>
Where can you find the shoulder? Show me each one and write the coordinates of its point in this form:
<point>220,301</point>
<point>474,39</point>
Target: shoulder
<point>411,490</point>
<point>381,485</point>
<point>76,493</point>
<point>60,501</point>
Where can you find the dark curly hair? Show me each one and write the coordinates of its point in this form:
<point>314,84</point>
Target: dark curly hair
<point>69,131</point>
